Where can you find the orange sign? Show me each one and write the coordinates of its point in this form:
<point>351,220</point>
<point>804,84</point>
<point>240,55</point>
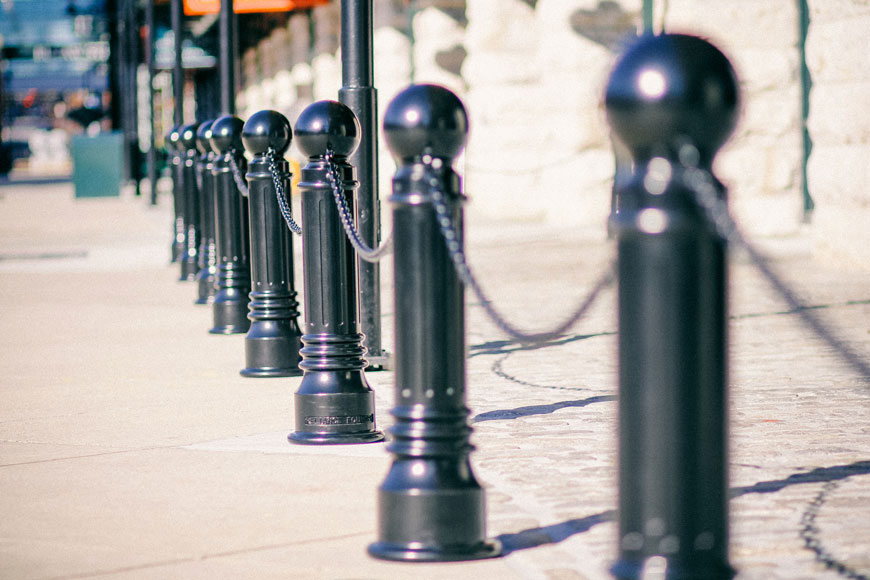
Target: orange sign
<point>196,7</point>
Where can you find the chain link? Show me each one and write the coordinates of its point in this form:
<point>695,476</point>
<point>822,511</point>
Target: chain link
<point>237,172</point>
<point>453,241</point>
<point>708,194</point>
<point>363,251</point>
<point>810,533</point>
<point>280,193</point>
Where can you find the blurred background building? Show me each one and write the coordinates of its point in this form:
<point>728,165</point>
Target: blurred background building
<point>531,73</point>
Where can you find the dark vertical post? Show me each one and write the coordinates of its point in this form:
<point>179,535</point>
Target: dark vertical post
<point>131,133</point>
<point>334,403</point>
<point>672,101</point>
<point>430,506</point>
<point>177,19</point>
<point>190,257</point>
<point>208,243</point>
<point>359,94</point>
<point>149,62</point>
<point>273,341</point>
<point>227,57</point>
<point>173,150</point>
<point>233,276</point>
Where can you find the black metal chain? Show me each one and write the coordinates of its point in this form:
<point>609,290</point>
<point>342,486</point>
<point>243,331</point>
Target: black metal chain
<point>237,173</point>
<point>280,193</point>
<point>708,194</point>
<point>810,533</point>
<point>453,240</point>
<point>362,249</point>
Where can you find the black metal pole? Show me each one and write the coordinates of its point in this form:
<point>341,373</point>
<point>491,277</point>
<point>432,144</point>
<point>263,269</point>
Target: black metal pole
<point>334,403</point>
<point>131,132</point>
<point>177,18</point>
<point>233,276</point>
<point>672,101</point>
<point>430,506</point>
<point>227,57</point>
<point>358,93</point>
<point>173,150</point>
<point>149,62</point>
<point>274,339</point>
<point>208,243</point>
<point>190,257</point>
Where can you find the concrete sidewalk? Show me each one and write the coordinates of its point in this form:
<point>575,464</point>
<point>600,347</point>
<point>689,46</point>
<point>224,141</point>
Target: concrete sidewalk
<point>131,448</point>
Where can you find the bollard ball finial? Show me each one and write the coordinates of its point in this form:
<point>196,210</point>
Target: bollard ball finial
<point>264,130</point>
<point>172,138</point>
<point>187,136</point>
<point>226,134</point>
<point>327,125</point>
<point>425,120</point>
<point>203,137</point>
<point>669,89</point>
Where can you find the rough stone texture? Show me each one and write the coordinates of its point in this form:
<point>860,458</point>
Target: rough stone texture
<point>761,164</point>
<point>839,165</point>
<point>532,73</point>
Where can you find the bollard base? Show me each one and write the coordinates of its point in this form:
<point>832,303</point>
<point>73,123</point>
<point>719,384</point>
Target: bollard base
<point>432,510</point>
<point>189,270</point>
<point>330,418</point>
<point>206,290</point>
<point>272,345</point>
<point>410,552</point>
<point>230,318</point>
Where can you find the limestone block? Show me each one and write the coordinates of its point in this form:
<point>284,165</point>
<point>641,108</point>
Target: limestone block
<point>822,11</point>
<point>284,91</point>
<point>839,113</point>
<point>838,175</point>
<point>436,34</point>
<point>771,113</point>
<point>327,24</point>
<point>298,39</point>
<point>499,26</point>
<point>837,50</point>
<point>577,191</point>
<point>327,76</point>
<point>736,24</point>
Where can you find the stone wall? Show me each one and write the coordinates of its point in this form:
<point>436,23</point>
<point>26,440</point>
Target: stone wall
<point>532,74</point>
<point>839,125</point>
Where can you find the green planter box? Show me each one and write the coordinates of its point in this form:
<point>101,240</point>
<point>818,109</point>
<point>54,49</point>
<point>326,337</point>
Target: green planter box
<point>98,164</point>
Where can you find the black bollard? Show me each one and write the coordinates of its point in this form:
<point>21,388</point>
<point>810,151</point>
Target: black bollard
<point>189,257</point>
<point>672,101</point>
<point>334,403</point>
<point>273,342</point>
<point>233,277</point>
<point>207,244</point>
<point>430,506</point>
<point>174,163</point>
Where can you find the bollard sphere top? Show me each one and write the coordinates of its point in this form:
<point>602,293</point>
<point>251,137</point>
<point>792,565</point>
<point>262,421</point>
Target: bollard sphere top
<point>172,138</point>
<point>226,134</point>
<point>187,136</point>
<point>327,124</point>
<point>425,120</point>
<point>669,89</point>
<point>203,136</point>
<point>265,129</point>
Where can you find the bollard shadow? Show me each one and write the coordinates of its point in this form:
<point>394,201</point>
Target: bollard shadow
<point>556,533</point>
<point>509,346</point>
<point>528,411</point>
<point>536,537</point>
<point>818,475</point>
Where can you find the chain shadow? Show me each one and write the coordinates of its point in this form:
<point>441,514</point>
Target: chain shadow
<point>818,475</point>
<point>553,534</point>
<point>504,346</point>
<point>507,414</point>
